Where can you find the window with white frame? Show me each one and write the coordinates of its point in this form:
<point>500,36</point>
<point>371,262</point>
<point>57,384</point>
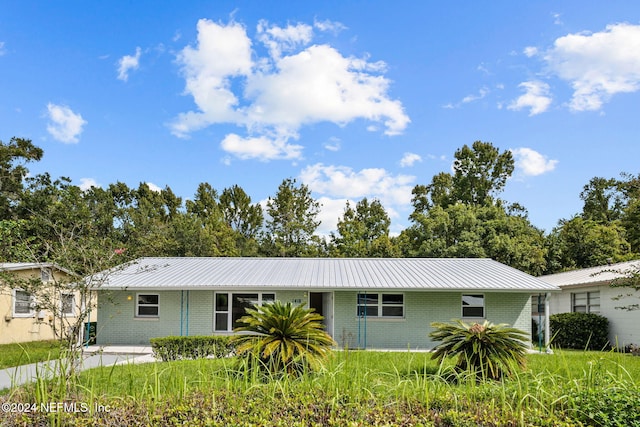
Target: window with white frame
<point>380,305</point>
<point>68,304</point>
<point>23,303</point>
<point>585,302</point>
<point>473,305</point>
<point>148,305</point>
<point>230,307</point>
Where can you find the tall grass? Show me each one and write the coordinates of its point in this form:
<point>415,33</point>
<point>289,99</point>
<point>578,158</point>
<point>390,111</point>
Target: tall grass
<point>362,387</point>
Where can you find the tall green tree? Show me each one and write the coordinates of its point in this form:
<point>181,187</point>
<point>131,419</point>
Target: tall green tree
<point>363,231</point>
<point>480,172</point>
<point>244,218</point>
<point>583,243</point>
<point>460,215</point>
<point>291,222</point>
<point>201,230</point>
<point>13,159</point>
<point>603,200</point>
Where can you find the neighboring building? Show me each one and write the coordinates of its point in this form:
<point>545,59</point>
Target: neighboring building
<point>588,291</point>
<point>366,302</point>
<point>21,321</point>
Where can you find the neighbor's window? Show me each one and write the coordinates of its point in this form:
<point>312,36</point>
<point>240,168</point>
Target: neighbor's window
<point>148,305</point>
<point>22,304</point>
<point>380,305</point>
<point>585,302</point>
<point>230,307</point>
<point>68,304</point>
<point>473,305</point>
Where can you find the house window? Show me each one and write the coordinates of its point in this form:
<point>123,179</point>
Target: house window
<point>68,304</point>
<point>23,304</point>
<point>230,307</point>
<point>148,305</point>
<point>473,305</point>
<point>45,274</point>
<point>380,305</point>
<point>585,302</point>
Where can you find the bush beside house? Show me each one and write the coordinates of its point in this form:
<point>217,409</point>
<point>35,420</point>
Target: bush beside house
<point>581,331</point>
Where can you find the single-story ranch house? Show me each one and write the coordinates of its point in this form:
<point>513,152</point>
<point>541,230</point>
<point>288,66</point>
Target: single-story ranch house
<point>588,290</point>
<point>366,302</point>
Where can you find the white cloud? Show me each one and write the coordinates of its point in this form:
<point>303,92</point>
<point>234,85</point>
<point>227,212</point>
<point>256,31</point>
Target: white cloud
<point>286,39</point>
<point>87,183</point>
<point>64,125</point>
<point>532,163</point>
<point>222,52</point>
<point>409,159</point>
<point>597,65</point>
<point>344,182</point>
<point>530,51</point>
<point>127,63</point>
<point>536,98</point>
<point>2,51</point>
<point>153,187</point>
<point>262,148</point>
<point>295,86</point>
<point>333,144</point>
<point>330,211</point>
<point>331,26</point>
<point>483,92</point>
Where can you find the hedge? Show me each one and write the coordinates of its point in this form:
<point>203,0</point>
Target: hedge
<point>582,331</point>
<point>192,347</point>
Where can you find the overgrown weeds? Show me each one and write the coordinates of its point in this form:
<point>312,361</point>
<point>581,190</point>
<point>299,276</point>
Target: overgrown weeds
<point>353,388</point>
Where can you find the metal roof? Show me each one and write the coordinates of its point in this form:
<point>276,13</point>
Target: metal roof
<point>322,274</point>
<point>603,273</point>
<point>20,266</point>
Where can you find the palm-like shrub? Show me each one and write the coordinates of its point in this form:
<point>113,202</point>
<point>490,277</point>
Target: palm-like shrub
<point>282,338</point>
<point>486,350</point>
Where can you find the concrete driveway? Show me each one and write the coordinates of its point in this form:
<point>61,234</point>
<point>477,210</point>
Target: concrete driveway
<point>93,357</point>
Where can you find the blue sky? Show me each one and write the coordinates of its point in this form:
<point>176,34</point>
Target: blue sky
<point>353,98</point>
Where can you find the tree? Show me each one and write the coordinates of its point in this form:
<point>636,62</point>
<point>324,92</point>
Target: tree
<point>244,218</point>
<point>480,172</point>
<point>13,158</point>
<point>486,350</point>
<point>363,231</point>
<point>469,231</point>
<point>292,219</point>
<point>603,201</point>
<point>88,262</point>
<point>282,339</point>
<point>583,243</point>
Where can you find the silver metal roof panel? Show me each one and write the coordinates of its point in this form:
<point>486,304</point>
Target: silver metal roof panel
<point>466,274</point>
<point>603,273</point>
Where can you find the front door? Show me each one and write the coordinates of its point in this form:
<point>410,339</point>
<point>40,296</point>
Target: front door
<point>322,302</point>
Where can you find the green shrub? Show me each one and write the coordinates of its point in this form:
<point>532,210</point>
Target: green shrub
<point>582,331</point>
<point>192,347</point>
<point>486,350</point>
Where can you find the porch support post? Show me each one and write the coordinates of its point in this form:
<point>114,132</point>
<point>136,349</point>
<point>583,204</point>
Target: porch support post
<point>547,321</point>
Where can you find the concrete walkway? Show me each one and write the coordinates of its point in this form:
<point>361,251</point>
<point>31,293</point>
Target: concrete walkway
<point>94,356</point>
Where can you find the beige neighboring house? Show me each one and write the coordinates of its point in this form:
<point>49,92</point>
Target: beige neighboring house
<point>21,320</point>
<point>588,290</point>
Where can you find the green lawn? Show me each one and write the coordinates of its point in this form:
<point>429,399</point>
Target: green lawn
<point>355,388</point>
<point>28,352</point>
